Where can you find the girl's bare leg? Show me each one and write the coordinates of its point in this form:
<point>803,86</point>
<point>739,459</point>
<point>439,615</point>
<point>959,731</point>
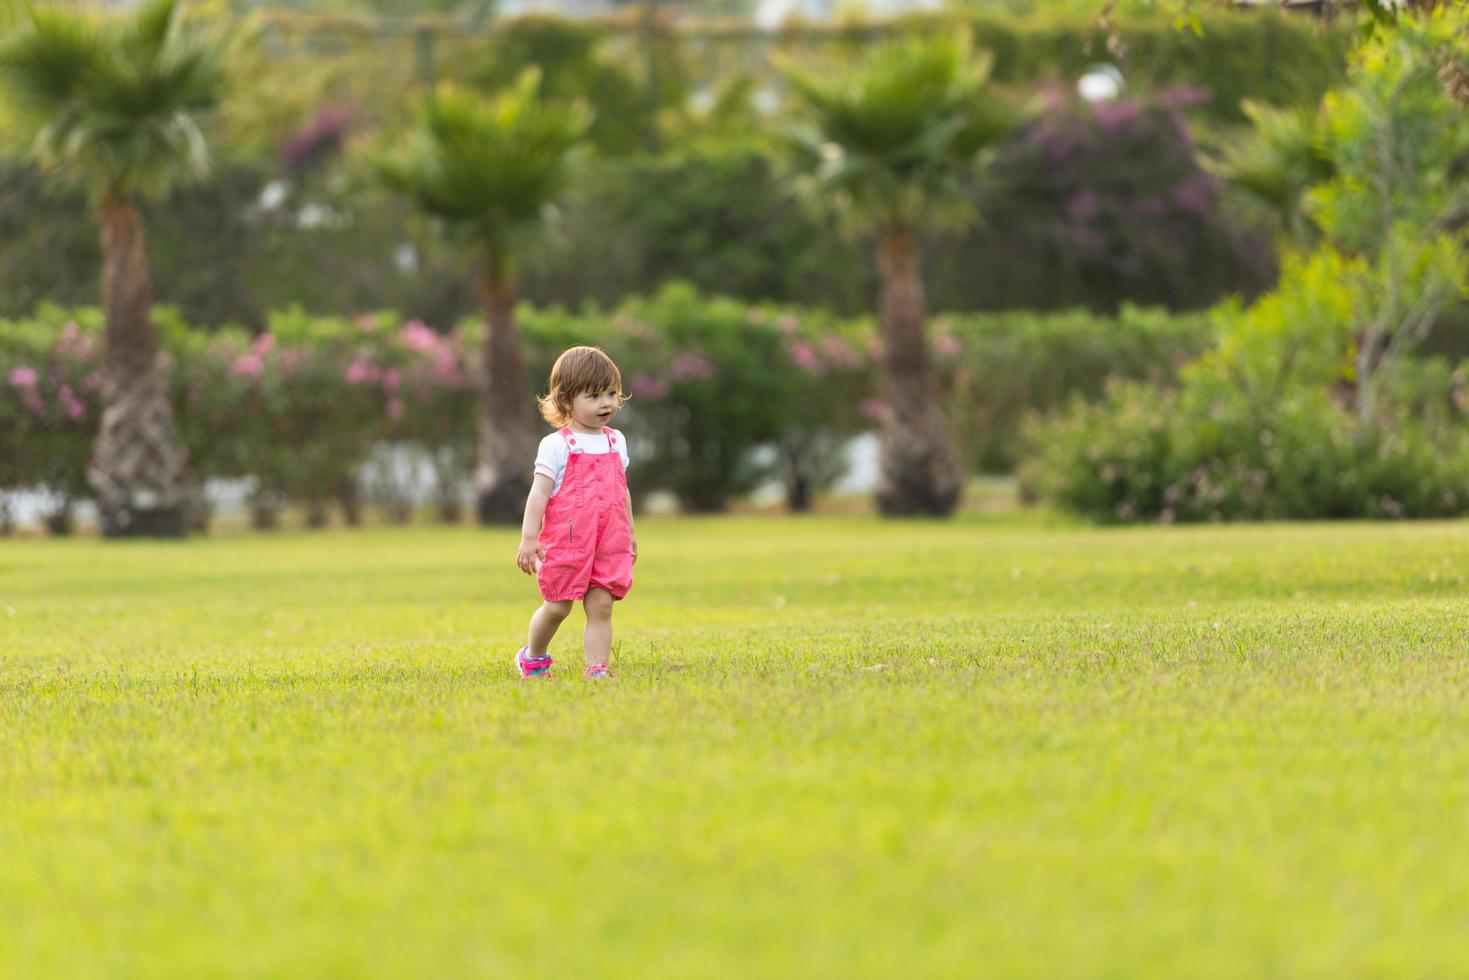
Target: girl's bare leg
<point>543,626</point>
<point>598,604</point>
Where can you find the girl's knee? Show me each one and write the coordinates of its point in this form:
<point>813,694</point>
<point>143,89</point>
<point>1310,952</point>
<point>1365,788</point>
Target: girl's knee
<point>598,603</point>
<point>560,610</point>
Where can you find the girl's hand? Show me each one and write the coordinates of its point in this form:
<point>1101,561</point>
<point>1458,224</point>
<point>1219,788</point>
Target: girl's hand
<point>530,556</point>
<point>634,552</point>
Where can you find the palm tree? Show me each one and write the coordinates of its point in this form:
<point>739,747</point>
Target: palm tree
<point>890,141</point>
<point>116,104</point>
<point>487,168</point>
<point>1276,164</point>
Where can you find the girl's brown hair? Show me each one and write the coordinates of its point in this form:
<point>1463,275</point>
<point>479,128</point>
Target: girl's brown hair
<point>578,370</point>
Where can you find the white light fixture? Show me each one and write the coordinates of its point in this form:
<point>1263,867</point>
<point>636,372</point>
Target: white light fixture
<point>1101,83</point>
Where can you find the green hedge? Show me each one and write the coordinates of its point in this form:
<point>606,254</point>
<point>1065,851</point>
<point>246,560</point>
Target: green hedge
<point>1268,423</point>
<point>1153,454</point>
<point>1000,368</point>
<point>1265,55</point>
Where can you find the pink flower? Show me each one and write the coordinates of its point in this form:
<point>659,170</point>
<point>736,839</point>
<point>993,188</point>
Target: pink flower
<point>948,345</point>
<point>392,379</point>
<point>70,404</point>
<point>448,370</point>
<point>1083,206</point>
<point>247,366</point>
<point>92,381</point>
<point>1112,116</point>
<point>73,343</point>
<point>417,336</point>
<point>805,357</point>
<point>24,377</point>
<point>289,360</point>
<point>1184,96</point>
<point>34,403</point>
<point>690,366</point>
<point>647,388</point>
<point>875,409</point>
<point>264,344</point>
<point>839,352</point>
<point>362,371</point>
<point>788,324</point>
<point>1195,195</point>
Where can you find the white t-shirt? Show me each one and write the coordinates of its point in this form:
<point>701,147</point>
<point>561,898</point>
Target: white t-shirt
<point>552,456</point>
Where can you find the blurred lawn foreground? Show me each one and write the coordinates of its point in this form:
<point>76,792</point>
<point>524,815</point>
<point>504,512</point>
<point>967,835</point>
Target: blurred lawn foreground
<point>1000,745</point>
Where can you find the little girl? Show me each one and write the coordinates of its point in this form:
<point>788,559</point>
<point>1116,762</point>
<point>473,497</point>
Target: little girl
<point>577,538</point>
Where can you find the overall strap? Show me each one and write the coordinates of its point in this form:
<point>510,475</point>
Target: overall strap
<point>611,439</point>
<point>570,439</point>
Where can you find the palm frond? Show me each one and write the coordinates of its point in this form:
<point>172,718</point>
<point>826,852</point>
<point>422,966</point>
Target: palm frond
<point>116,100</point>
<point>45,63</point>
<point>1277,163</point>
<point>487,167</point>
<point>892,133</point>
<point>148,33</point>
<point>13,13</point>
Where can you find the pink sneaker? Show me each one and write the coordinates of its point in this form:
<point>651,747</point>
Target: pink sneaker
<point>598,672</point>
<point>532,666</point>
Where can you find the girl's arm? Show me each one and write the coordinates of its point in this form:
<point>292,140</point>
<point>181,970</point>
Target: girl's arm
<point>531,553</point>
<point>632,535</point>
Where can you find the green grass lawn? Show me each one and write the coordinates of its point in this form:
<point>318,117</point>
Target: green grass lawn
<point>836,748</point>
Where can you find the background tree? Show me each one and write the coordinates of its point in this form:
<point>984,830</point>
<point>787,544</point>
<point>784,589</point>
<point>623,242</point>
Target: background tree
<point>487,169</point>
<point>1398,201</point>
<point>889,141</point>
<point>116,105</point>
<point>571,58</point>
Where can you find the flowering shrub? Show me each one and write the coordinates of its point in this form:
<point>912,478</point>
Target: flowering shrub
<point>1101,205</point>
<point>711,381</point>
<point>50,404</point>
<point>722,395</point>
<point>300,407</point>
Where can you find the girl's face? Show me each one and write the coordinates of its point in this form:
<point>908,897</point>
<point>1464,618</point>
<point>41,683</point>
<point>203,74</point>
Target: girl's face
<point>594,409</point>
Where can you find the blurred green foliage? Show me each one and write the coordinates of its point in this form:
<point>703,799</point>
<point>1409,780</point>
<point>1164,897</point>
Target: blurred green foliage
<point>709,207</point>
<point>1317,400</point>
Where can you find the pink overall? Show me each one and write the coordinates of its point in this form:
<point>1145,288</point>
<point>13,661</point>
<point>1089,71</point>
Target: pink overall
<point>585,533</point>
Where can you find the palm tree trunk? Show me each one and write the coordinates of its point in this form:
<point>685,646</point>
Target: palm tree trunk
<point>507,417</point>
<point>919,471</point>
<point>137,470</point>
